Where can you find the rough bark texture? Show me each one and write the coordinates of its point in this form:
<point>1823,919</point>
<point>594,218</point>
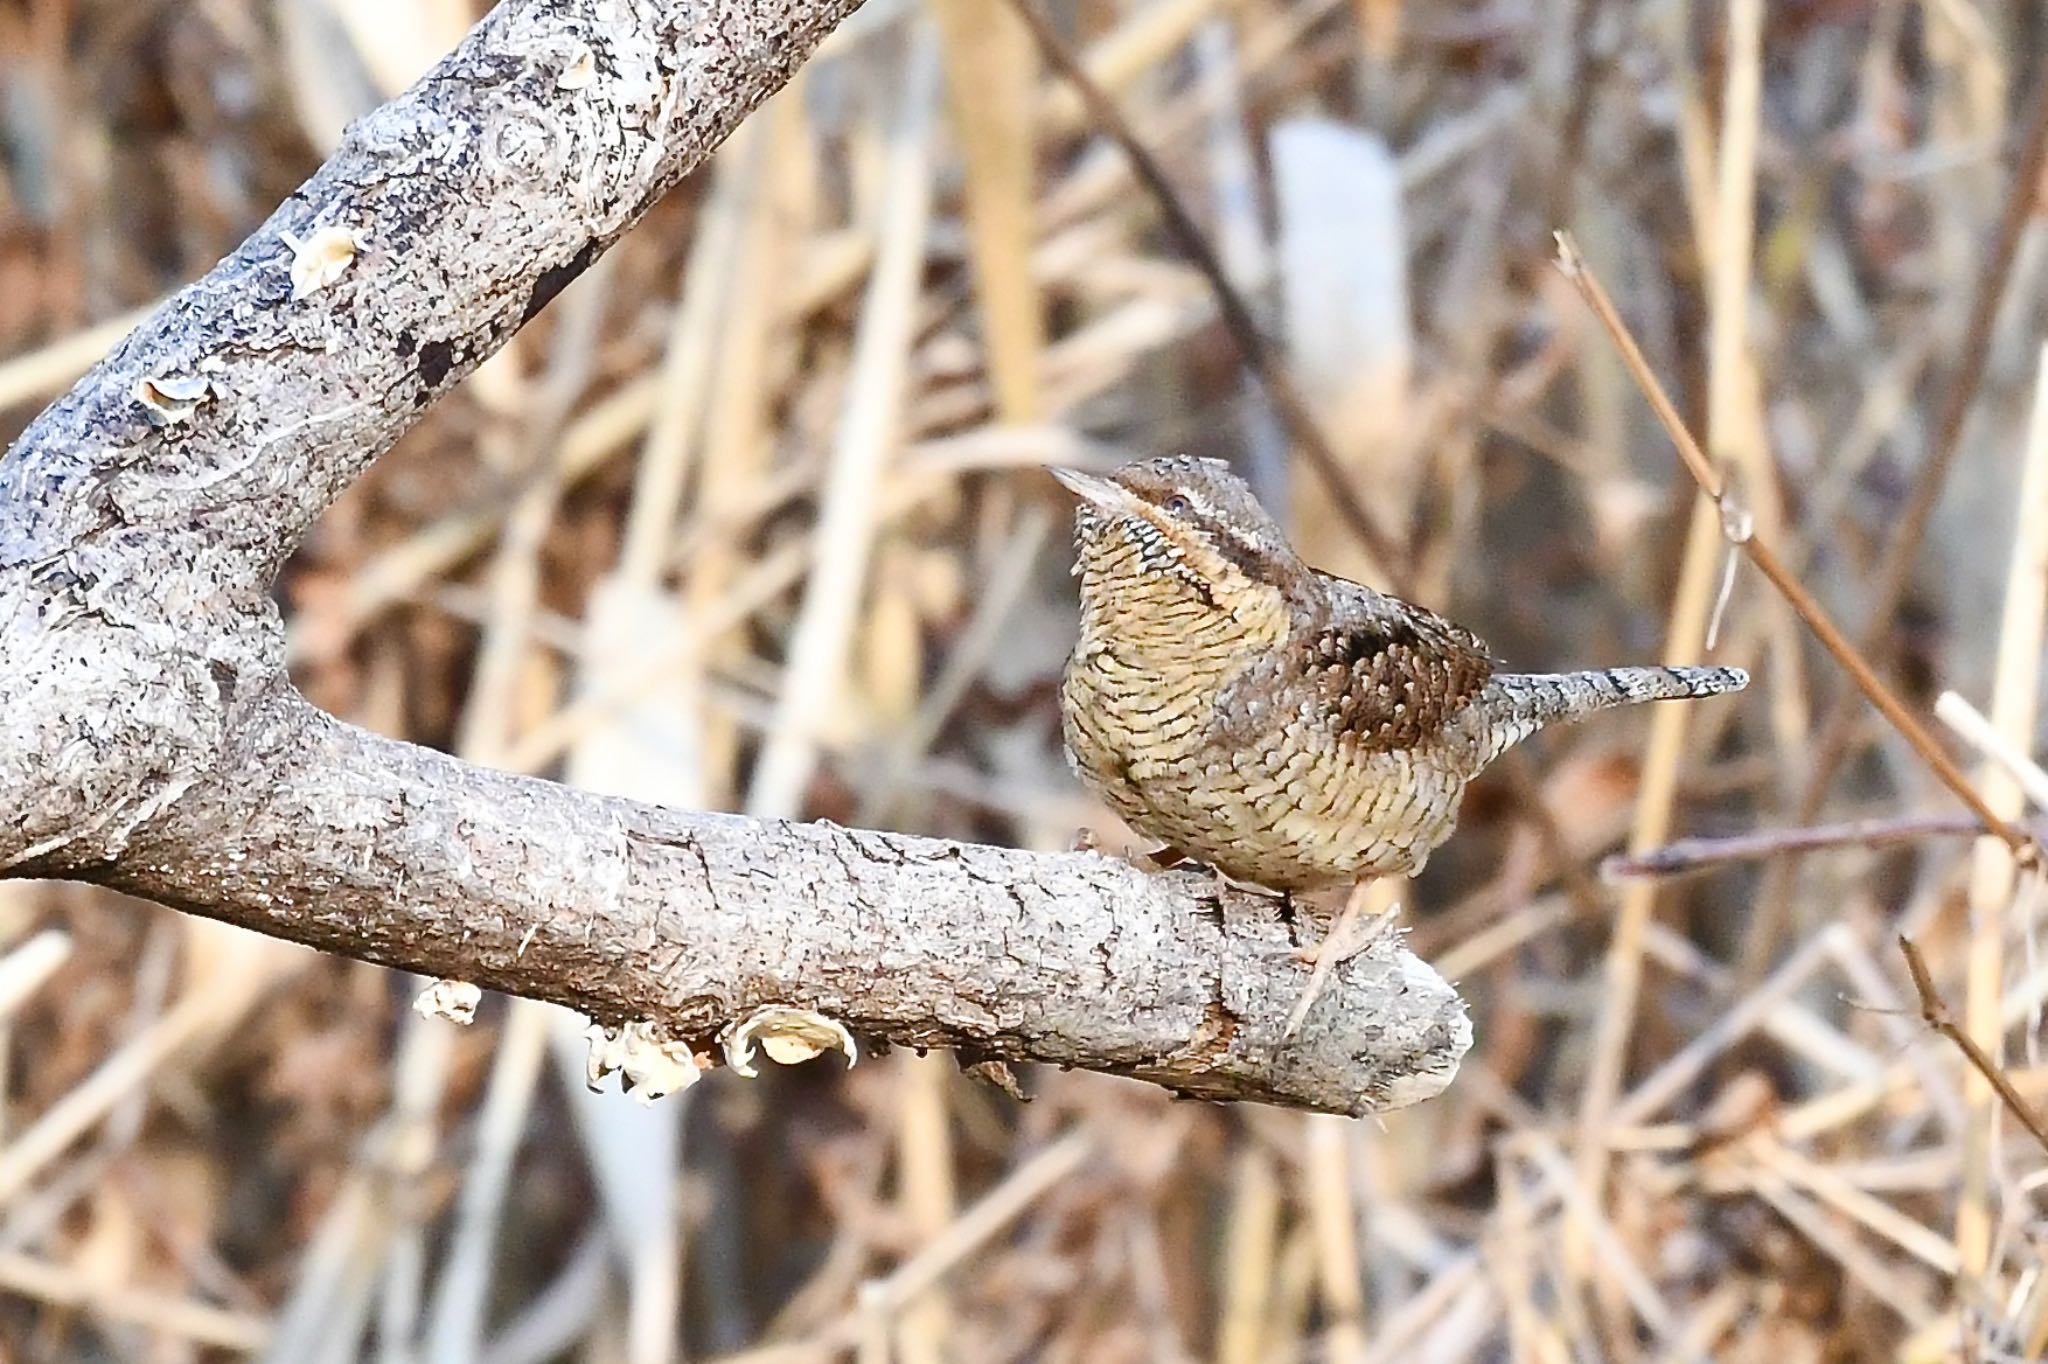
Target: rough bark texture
<point>151,741</point>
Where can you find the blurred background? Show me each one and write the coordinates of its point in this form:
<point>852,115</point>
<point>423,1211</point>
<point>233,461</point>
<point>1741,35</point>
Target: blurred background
<point>752,518</point>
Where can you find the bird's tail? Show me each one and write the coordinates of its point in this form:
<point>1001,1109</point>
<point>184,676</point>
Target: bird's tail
<point>1522,703</point>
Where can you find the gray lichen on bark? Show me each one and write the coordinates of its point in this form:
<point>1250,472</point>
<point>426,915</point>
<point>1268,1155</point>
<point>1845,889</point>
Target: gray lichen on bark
<point>152,742</point>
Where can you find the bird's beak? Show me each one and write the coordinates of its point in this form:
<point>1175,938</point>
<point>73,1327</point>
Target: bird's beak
<point>1094,489</point>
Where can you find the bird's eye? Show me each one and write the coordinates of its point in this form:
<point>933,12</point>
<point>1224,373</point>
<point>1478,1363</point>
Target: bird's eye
<point>1177,505</point>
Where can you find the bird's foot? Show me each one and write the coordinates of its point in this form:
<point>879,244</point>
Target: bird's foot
<point>1353,932</point>
<point>1165,857</point>
<point>1229,883</point>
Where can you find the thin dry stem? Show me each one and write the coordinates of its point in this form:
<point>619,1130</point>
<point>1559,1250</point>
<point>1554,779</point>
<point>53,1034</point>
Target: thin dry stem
<point>1687,855</point>
<point>1934,1012</point>
<point>1772,567</point>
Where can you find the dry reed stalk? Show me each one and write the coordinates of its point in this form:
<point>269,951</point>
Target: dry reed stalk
<point>771,576</point>
<point>1727,247</point>
<point>991,85</point>
<point>1580,74</point>
<point>695,333</point>
<point>530,417</point>
<point>867,441</point>
<point>440,547</point>
<point>1244,329</point>
<point>1966,81</point>
<point>1602,1244</point>
<point>323,1318</point>
<point>1898,1292</point>
<point>926,1189</point>
<point>1738,442</point>
<point>1902,548</point>
<point>1829,1187</point>
<point>1400,1336</point>
<point>177,1319</point>
<point>1146,38</point>
<point>560,1314</point>
<point>52,367</point>
<point>975,1227</point>
<point>1804,1034</point>
<point>1267,40</point>
<point>1534,918</point>
<point>1684,635</point>
<point>1008,578</point>
<point>195,1016</point>
<point>28,965</point>
<point>1972,729</point>
<point>1994,868</point>
<point>503,654</point>
<point>227,976</point>
<point>769,212</point>
<point>1513,1256</point>
<point>1672,1078</point>
<point>1333,1213</point>
<point>1250,1246</point>
<point>1379,44</point>
<point>1237,199</point>
<point>454,1318</point>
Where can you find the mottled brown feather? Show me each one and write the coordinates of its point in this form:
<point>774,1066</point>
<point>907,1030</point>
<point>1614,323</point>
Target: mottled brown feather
<point>1386,674</point>
<point>1291,729</point>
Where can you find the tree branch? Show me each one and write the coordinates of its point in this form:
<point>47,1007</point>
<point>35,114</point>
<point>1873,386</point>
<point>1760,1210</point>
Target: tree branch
<point>153,743</point>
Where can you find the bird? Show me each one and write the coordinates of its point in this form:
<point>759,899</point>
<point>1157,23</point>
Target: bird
<point>1292,730</point>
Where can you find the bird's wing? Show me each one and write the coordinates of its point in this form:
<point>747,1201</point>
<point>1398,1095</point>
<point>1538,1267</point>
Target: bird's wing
<point>1381,672</point>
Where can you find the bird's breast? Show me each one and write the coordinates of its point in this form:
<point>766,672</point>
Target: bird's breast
<point>1139,707</point>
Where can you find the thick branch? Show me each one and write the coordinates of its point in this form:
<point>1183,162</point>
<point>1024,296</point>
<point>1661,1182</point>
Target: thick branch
<point>328,835</point>
<point>149,739</point>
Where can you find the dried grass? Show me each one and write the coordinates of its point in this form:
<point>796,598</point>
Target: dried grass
<point>796,419</point>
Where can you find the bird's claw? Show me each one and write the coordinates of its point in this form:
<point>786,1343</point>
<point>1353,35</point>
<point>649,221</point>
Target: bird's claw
<point>1165,857</point>
<point>1347,938</point>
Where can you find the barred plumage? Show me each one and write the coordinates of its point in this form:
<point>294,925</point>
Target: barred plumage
<point>1287,727</point>
<point>1528,701</point>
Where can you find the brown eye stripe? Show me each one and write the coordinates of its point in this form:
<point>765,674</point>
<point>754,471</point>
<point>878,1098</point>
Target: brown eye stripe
<point>1255,563</point>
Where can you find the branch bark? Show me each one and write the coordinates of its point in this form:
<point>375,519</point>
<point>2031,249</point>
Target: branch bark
<point>152,741</point>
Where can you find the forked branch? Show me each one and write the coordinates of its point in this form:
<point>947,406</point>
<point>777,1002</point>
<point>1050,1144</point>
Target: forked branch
<point>152,741</point>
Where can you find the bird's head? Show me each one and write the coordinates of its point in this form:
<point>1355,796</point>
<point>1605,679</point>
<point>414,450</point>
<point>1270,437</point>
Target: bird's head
<point>1176,528</point>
